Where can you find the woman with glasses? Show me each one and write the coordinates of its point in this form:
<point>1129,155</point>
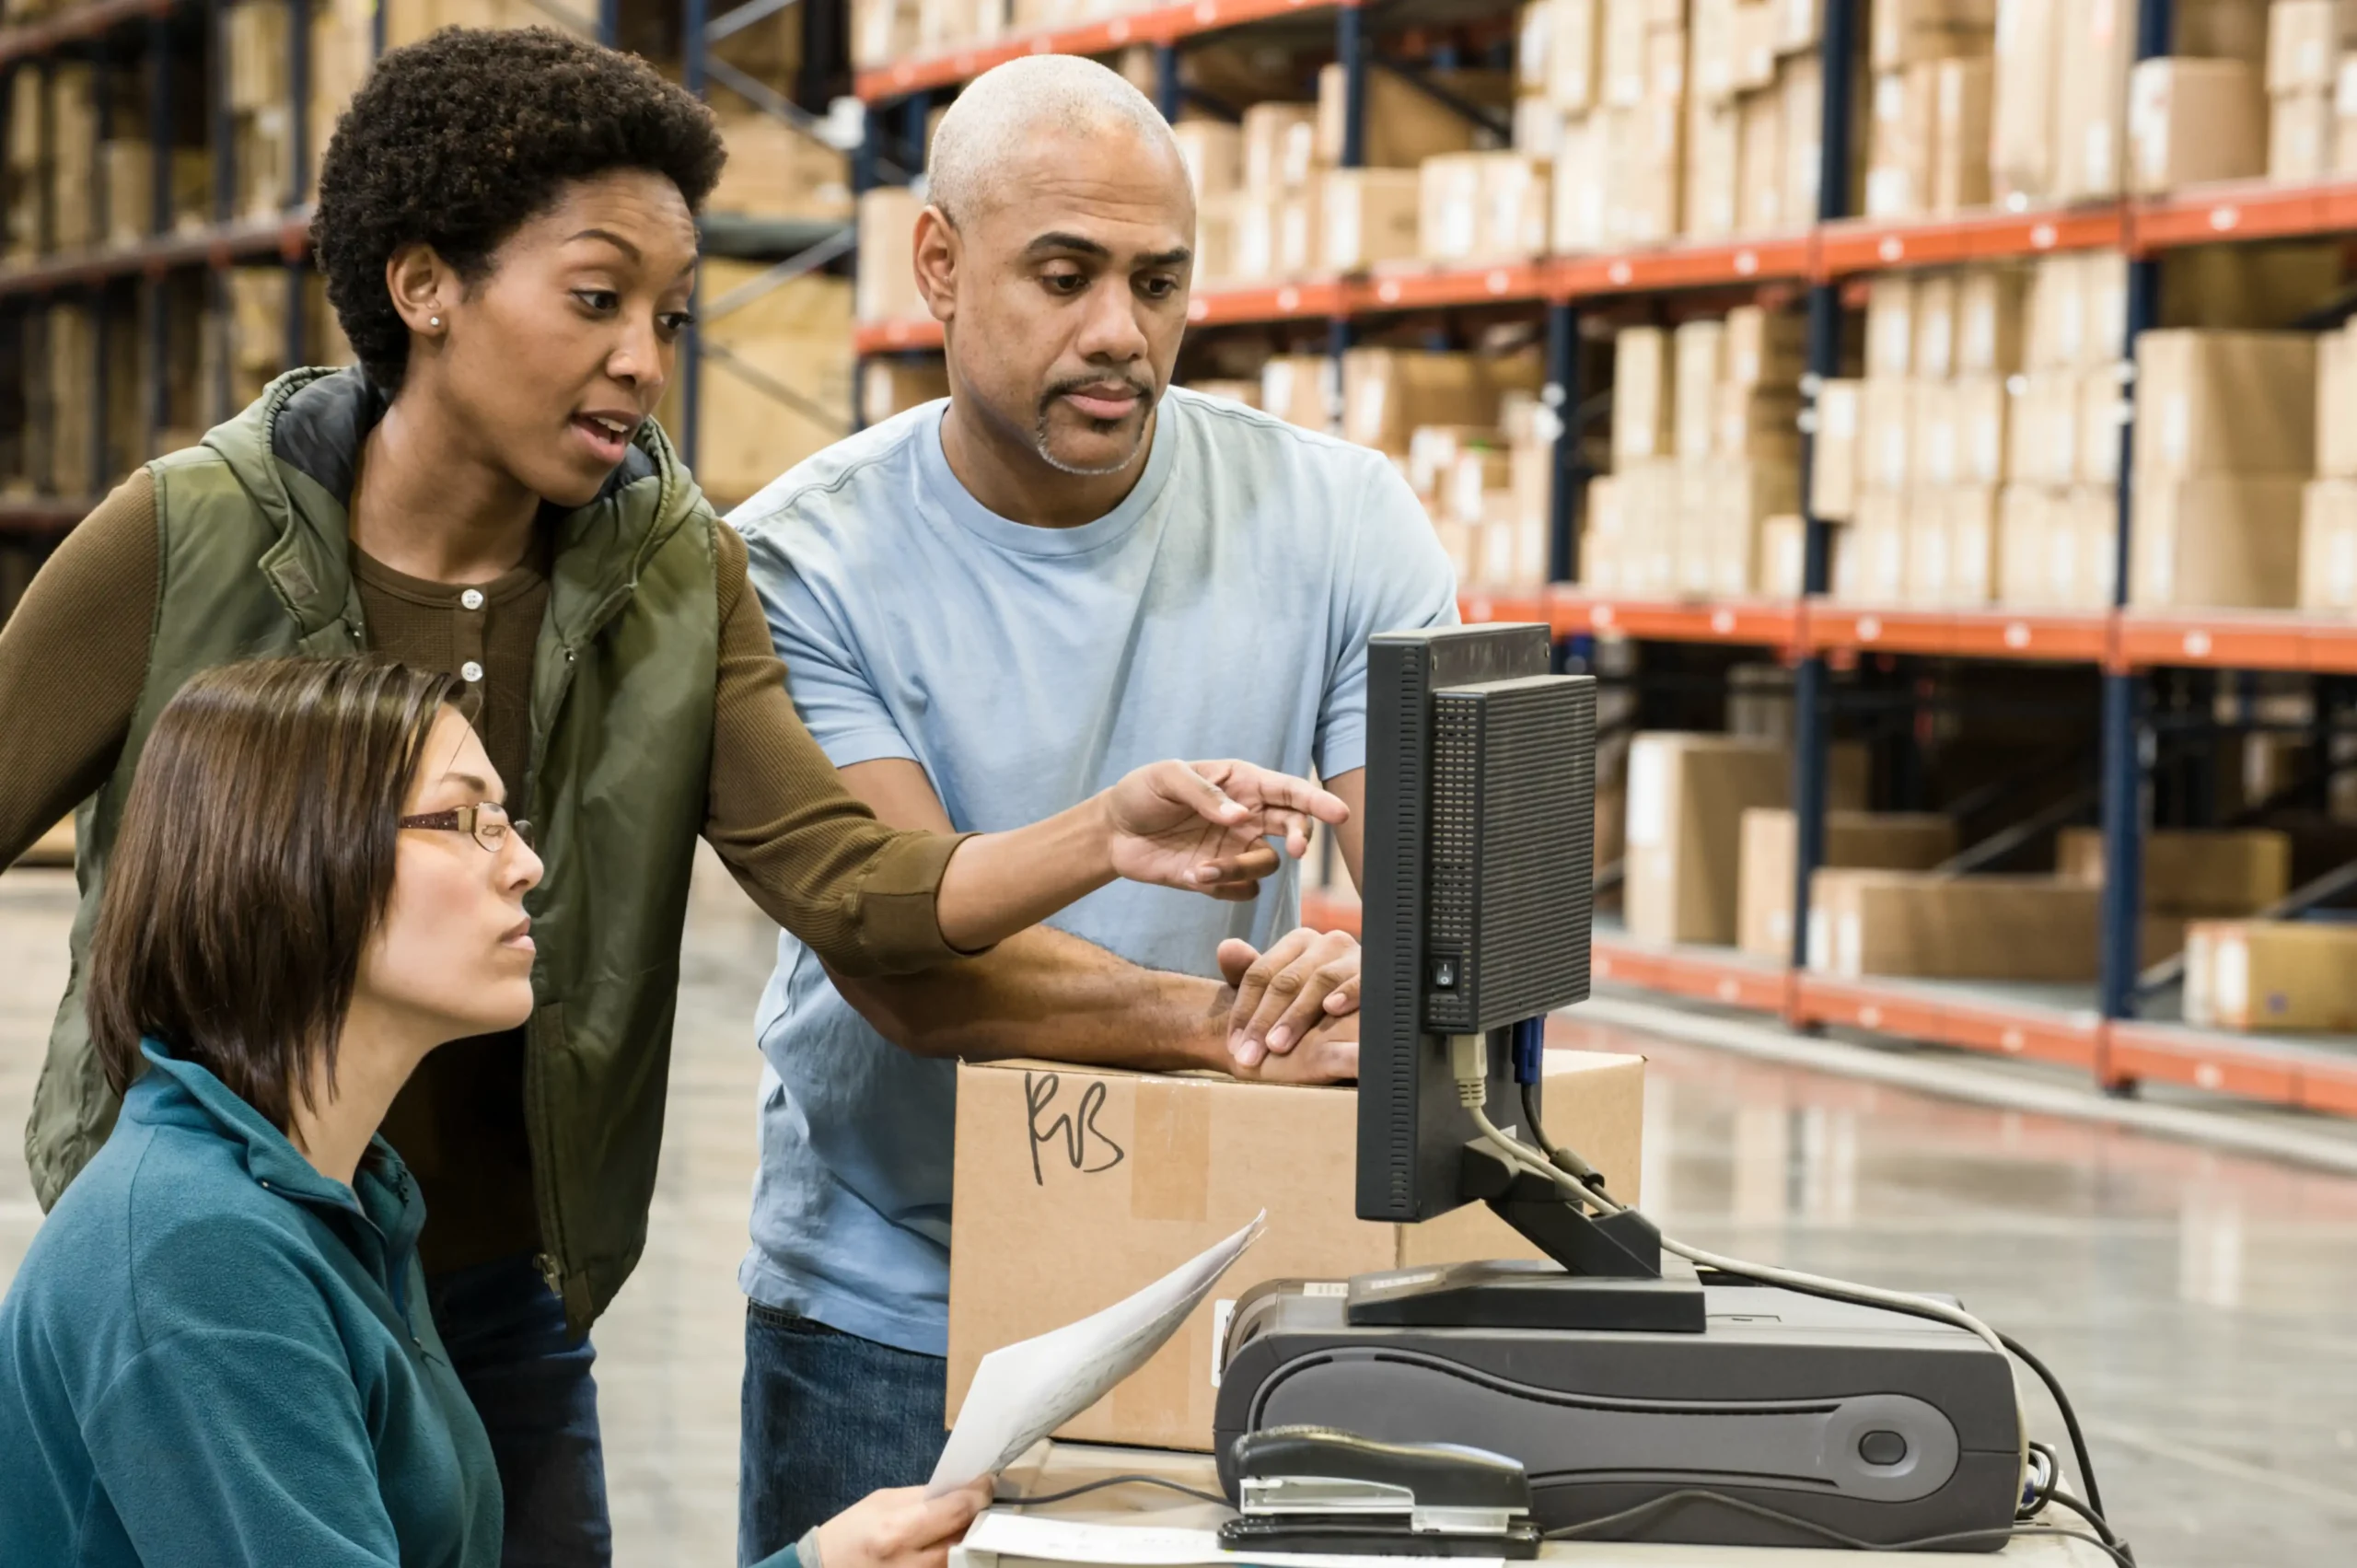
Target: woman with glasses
<point>506,222</point>
<point>218,1349</point>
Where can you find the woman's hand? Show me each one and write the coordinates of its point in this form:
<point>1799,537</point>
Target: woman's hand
<point>902,1529</point>
<point>1199,825</point>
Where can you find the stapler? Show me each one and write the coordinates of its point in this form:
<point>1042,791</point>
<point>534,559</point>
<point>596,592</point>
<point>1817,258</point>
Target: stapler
<point>1318,1489</point>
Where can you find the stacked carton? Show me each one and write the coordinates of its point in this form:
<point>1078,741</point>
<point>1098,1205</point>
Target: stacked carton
<point>1487,488</point>
<point>1705,452</point>
<point>2189,876</point>
<point>2328,506</point>
<point>777,378</point>
<point>2271,975</point>
<point>2059,524</point>
<point>2225,443</point>
<point>1617,73</point>
<point>1928,135</point>
<point>2307,41</point>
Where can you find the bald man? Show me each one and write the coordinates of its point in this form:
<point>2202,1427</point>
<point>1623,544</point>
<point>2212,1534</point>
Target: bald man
<point>987,607</point>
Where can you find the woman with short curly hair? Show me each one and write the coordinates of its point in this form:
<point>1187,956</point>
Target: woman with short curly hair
<point>506,221</point>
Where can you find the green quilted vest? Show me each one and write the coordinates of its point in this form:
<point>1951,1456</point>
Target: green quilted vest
<point>255,561</point>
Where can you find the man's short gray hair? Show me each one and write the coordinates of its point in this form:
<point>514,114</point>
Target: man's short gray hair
<point>1007,106</point>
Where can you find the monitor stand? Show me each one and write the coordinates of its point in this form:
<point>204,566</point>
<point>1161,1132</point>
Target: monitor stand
<point>1606,1274</point>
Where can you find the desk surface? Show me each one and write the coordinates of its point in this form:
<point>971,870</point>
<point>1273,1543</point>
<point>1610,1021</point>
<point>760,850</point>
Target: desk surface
<point>1060,1465</point>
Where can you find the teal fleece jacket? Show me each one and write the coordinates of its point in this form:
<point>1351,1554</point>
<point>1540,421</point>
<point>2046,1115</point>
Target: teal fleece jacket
<point>214,1355</point>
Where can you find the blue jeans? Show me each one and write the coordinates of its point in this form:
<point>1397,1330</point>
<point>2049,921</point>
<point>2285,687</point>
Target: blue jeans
<point>827,1418</point>
<point>530,1380</point>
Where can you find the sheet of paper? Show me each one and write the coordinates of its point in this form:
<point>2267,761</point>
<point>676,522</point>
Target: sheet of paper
<point>1022,1393</point>
<point>1150,1546</point>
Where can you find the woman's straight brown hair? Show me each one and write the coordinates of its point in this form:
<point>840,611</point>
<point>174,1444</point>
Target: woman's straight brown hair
<point>254,862</point>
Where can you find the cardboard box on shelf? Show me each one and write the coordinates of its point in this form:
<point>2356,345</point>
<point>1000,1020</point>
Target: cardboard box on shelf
<point>1405,125</point>
<point>2042,428</point>
<point>1761,159</point>
<point>2217,540</point>
<point>1766,346</point>
<point>2218,873</point>
<point>2026,519</point>
<point>1934,451</point>
<point>1622,52</point>
<point>2337,404</point>
<point>882,31</point>
<point>1837,466</point>
<point>2096,46</point>
<point>2302,134</point>
<point>1387,393</point>
<point>1890,326</point>
<point>1582,185</point>
<point>1752,423</point>
<point>2022,101</point>
<point>1886,437</point>
<point>1900,152</point>
<point>1990,308</point>
<point>1280,143</point>
<point>1214,151</point>
<point>1712,41</point>
<point>2343,157</point>
<point>1992,927</point>
<point>1372,215</point>
<point>2260,975</point>
<point>1643,398</point>
<point>1799,25</point>
<point>1648,203</point>
<point>2226,401</point>
<point>2305,40</point>
<point>1893,842</point>
<point>2328,545</point>
<point>1960,113</point>
<point>1687,793</point>
<point>1698,352</point>
<point>1076,1186</point>
<point>1906,32</point>
<point>1574,52</point>
<point>888,386</point>
<point>1755,45</point>
<point>1783,556</point>
<point>2247,287</point>
<point>1877,544</point>
<point>1513,202</point>
<point>1300,222</point>
<point>2103,408</point>
<point>1801,85</point>
<point>1715,171</point>
<point>1450,226</point>
<point>797,334</point>
<point>1978,408</point>
<point>1974,538</point>
<point>1933,356</point>
<point>887,287</point>
<point>1300,388</point>
<point>2190,120</point>
<point>776,172</point>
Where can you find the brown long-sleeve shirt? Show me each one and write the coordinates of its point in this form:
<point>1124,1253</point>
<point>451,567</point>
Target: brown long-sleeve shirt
<point>74,659</point>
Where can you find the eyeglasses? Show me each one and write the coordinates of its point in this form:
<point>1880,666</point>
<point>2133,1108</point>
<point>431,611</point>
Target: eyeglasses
<point>487,824</point>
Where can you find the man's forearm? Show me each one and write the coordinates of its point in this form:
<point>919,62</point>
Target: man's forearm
<point>1045,993</point>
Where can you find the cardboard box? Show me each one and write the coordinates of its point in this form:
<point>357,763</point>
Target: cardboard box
<point>2344,119</point>
<point>1371,215</point>
<point>1388,392</point>
<point>1801,84</point>
<point>2247,286</point>
<point>1887,438</point>
<point>1907,32</point>
<point>1699,349</point>
<point>2077,311</point>
<point>1932,356</point>
<point>1623,48</point>
<point>1715,171</point>
<point>1961,98</point>
<point>889,386</point>
<point>1648,203</point>
<point>2337,404</point>
<point>1783,556</point>
<point>1766,346</point>
<point>1901,124</point>
<point>1214,151</point>
<point>1450,226</point>
<point>1975,538</point>
<point>2328,545</point>
<point>2022,120</point>
<point>2101,412</point>
<point>886,286</point>
<point>2225,402</point>
<point>1713,40</point>
<point>1799,25</point>
<point>1575,53</point>
<point>2301,135</point>
<point>2264,975</point>
<point>1755,423</point>
<point>1279,145</point>
<point>2097,44</point>
<point>1404,124</point>
<point>1300,225</point>
<point>2224,873</point>
<point>1755,45</point>
<point>1760,160</point>
<point>1989,309</point>
<point>1890,326</point>
<point>2216,541</point>
<point>1300,388</point>
<point>796,334</point>
<point>1978,406</point>
<point>2304,39</point>
<point>1642,394</point>
<point>1076,1186</point>
<point>2194,120</point>
<point>1256,225</point>
<point>1582,185</point>
<point>1910,923</point>
<point>1837,464</point>
<point>1894,842</point>
<point>1513,207</point>
<point>2025,520</point>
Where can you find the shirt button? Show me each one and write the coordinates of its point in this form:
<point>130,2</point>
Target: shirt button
<point>472,598</point>
<point>470,671</point>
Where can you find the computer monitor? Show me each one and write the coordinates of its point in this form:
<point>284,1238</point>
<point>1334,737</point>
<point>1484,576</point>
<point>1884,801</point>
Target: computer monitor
<point>1478,890</point>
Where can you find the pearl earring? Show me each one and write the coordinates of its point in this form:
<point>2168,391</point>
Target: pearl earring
<point>433,320</point>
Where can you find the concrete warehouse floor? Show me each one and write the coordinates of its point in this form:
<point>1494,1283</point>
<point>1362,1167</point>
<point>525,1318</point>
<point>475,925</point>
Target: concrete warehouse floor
<point>2197,1304</point>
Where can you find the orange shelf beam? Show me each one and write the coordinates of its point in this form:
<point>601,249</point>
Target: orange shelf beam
<point>2245,1065</point>
<point>1701,974</point>
<point>1267,302</point>
<point>1164,24</point>
<point>1480,605</point>
<point>894,337</point>
<point>2040,1034</point>
<point>287,238</point>
<point>1967,634</point>
<point>1868,245</point>
<point>1770,258</point>
<point>86,20</point>
<point>1430,288</point>
<point>2204,215</point>
<point>1773,624</point>
<point>2229,640</point>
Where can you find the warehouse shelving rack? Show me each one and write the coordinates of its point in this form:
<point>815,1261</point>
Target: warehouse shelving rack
<point>2107,1039</point>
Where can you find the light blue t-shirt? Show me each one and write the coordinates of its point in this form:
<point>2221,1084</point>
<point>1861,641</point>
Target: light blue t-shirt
<point>1222,610</point>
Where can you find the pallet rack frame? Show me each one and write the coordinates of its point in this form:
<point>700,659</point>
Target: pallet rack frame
<point>2109,1041</point>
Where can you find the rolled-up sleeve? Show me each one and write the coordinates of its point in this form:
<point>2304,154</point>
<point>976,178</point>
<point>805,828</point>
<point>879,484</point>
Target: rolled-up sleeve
<point>863,896</point>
